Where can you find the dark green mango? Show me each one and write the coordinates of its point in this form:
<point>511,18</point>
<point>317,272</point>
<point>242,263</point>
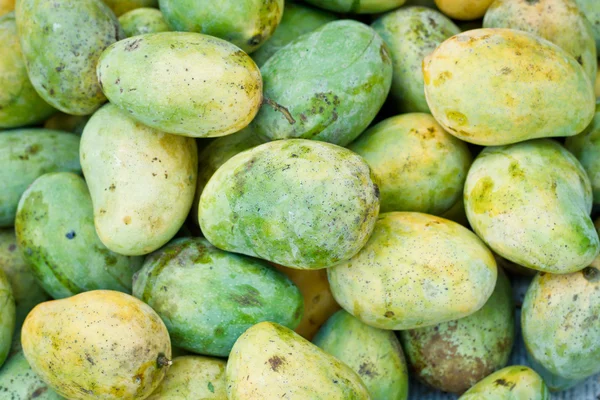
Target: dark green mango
<point>19,382</point>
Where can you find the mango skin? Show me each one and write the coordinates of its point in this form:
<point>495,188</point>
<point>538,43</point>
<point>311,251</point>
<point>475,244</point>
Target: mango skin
<point>357,6</point>
<point>591,9</point>
<point>19,102</point>
<point>193,377</point>
<point>143,20</point>
<point>97,345</point>
<point>299,203</point>
<point>62,65</point>
<point>411,34</point>
<point>297,20</point>
<point>7,316</point>
<point>559,21</point>
<point>417,165</point>
<point>455,355</point>
<point>67,123</point>
<point>18,381</point>
<point>270,361</point>
<point>208,298</point>
<point>209,88</point>
<point>481,88</point>
<point>530,202</point>
<point>160,175</point>
<point>516,382</point>
<point>560,320</point>
<point>332,82</point>
<point>6,6</point>
<point>120,7</point>
<point>26,154</point>
<point>465,10</point>
<point>396,282</point>
<point>374,354</point>
<point>245,23</point>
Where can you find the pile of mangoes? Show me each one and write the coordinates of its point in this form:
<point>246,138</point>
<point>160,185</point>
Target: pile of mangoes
<point>252,200</point>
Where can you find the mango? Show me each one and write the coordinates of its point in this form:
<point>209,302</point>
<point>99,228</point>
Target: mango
<point>457,213</point>
<point>6,6</point>
<point>208,298</point>
<point>97,345</point>
<point>559,21</point>
<point>19,102</point>
<point>61,43</point>
<point>270,361</point>
<point>500,86</point>
<point>374,354</point>
<point>591,9</point>
<point>465,10</point>
<point>326,85</point>
<point>56,234</point>
<point>397,282</point>
<point>411,34</point>
<point>245,23</point>
<point>209,87</point>
<point>7,316</point>
<point>120,7</point>
<point>67,123</point>
<point>26,154</point>
<point>417,165</point>
<point>561,325</point>
<point>455,355</point>
<point>160,175</point>
<point>299,203</point>
<point>554,382</point>
<point>530,202</point>
<point>357,6</point>
<point>143,20</point>
<point>19,382</point>
<point>297,20</point>
<point>193,377</point>
<point>516,382</point>
<point>597,84</point>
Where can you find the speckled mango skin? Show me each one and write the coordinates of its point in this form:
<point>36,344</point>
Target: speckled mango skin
<point>500,86</point>
<point>193,377</point>
<point>245,23</point>
<point>208,87</point>
<point>559,21</point>
<point>160,175</point>
<point>7,316</point>
<point>270,361</point>
<point>374,354</point>
<point>297,20</point>
<point>19,102</point>
<point>56,235</point>
<point>411,34</point>
<point>591,9</point>
<point>61,43</point>
<point>516,382</point>
<point>530,202</point>
<point>143,20</point>
<point>417,165</point>
<point>465,10</point>
<point>97,345</point>
<point>299,203</point>
<point>332,81</point>
<point>357,6</point>
<point>67,123</point>
<point>19,382</point>
<point>397,282</point>
<point>561,325</point>
<point>455,355</point>
<point>26,154</point>
<point>208,298</point>
<point>120,7</point>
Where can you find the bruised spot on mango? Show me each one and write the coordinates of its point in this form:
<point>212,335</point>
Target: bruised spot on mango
<point>127,220</point>
<point>481,195</point>
<point>457,117</point>
<point>443,77</point>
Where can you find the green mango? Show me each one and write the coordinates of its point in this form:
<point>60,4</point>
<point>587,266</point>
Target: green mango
<point>26,154</point>
<point>326,85</point>
<point>374,354</point>
<point>453,356</point>
<point>56,234</point>
<point>554,382</point>
<point>208,298</point>
<point>7,316</point>
<point>141,180</point>
<point>299,203</point>
<point>26,291</point>
<point>120,7</point>
<point>530,202</point>
<point>297,20</point>
<point>67,123</point>
<point>417,165</point>
<point>500,86</point>
<point>19,102</point>
<point>591,9</point>
<point>270,361</point>
<point>97,345</point>
<point>516,382</point>
<point>19,382</point>
<point>559,21</point>
<point>143,20</point>
<point>245,23</point>
<point>357,6</point>
<point>61,43</point>
<point>208,88</point>
<point>412,33</point>
<point>397,282</point>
